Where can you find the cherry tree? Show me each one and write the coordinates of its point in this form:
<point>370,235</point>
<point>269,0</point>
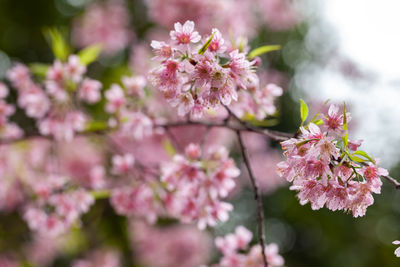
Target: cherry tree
<point>54,173</point>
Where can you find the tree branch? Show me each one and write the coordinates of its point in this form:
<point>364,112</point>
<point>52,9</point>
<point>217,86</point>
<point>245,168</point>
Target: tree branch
<point>243,127</point>
<point>260,214</point>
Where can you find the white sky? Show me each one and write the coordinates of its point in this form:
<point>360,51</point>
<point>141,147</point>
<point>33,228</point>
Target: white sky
<point>367,33</point>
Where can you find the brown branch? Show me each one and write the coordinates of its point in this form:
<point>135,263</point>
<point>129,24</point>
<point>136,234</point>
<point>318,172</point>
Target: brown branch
<point>243,127</point>
<point>275,135</point>
<point>392,181</point>
<point>260,213</point>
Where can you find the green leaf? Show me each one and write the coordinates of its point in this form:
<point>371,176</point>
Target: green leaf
<point>356,159</point>
<point>345,138</point>
<point>303,111</point>
<point>100,194</point>
<point>39,69</point>
<point>94,126</point>
<point>89,54</point>
<point>57,42</point>
<point>168,147</point>
<point>299,144</point>
<point>250,118</point>
<point>262,50</point>
<point>364,154</point>
<point>264,123</point>
<point>203,49</point>
<point>318,122</point>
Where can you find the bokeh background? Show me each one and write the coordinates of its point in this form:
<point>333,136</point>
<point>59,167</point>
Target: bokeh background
<point>339,50</point>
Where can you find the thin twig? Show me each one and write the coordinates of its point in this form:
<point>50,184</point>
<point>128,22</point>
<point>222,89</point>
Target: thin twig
<point>277,136</point>
<point>388,178</point>
<point>173,139</point>
<point>260,213</point>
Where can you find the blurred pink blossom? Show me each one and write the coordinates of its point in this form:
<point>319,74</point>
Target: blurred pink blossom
<point>104,23</point>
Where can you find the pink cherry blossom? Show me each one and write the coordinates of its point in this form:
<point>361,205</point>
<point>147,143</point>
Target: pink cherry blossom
<point>232,245</point>
<point>175,245</point>
<point>89,91</point>
<point>74,69</point>
<point>397,251</point>
<point>122,163</point>
<point>103,23</point>
<point>135,85</point>
<point>185,34</point>
<point>3,90</point>
<point>325,173</point>
<point>115,98</point>
<point>162,50</point>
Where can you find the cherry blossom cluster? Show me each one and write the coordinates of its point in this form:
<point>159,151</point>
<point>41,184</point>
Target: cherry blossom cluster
<point>54,213</point>
<point>8,130</point>
<point>257,102</point>
<point>124,104</point>
<point>239,17</point>
<point>232,15</point>
<point>104,23</point>
<point>196,182</point>
<point>138,199</point>
<point>103,257</point>
<point>56,108</point>
<point>174,245</point>
<point>190,189</point>
<point>233,246</point>
<point>53,108</point>
<point>196,78</point>
<point>50,196</point>
<point>327,169</point>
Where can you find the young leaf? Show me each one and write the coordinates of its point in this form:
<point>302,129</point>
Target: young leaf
<point>303,111</point>
<point>345,138</point>
<point>262,50</point>
<point>100,194</point>
<point>203,49</point>
<point>364,154</point>
<point>57,42</point>
<point>356,159</point>
<point>318,122</point>
<point>39,69</point>
<point>94,126</point>
<point>168,147</point>
<point>89,54</point>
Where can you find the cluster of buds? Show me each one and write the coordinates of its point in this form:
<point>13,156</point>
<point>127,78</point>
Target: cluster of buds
<point>327,169</point>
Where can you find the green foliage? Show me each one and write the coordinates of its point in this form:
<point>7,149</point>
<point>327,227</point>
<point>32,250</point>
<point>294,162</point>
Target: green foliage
<point>355,158</point>
<point>168,147</point>
<point>89,54</point>
<point>365,155</point>
<point>318,122</point>
<point>39,69</point>
<point>303,111</point>
<point>100,194</point>
<point>346,136</point>
<point>94,126</point>
<point>57,42</point>
<point>268,122</point>
<point>203,49</point>
<point>263,50</point>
